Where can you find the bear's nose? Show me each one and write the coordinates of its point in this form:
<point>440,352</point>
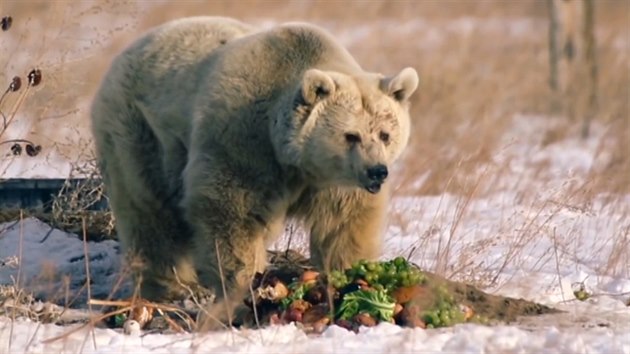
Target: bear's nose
<point>377,173</point>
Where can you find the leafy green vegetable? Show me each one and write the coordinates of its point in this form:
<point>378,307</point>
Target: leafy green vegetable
<point>119,320</point>
<point>377,303</point>
<point>296,292</point>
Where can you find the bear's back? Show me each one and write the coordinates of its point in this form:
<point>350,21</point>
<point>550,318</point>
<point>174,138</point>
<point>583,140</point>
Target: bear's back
<point>280,54</point>
<point>264,68</point>
<point>160,71</point>
<point>178,44</point>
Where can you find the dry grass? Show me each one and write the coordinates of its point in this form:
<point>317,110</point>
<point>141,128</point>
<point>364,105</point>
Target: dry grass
<point>476,69</point>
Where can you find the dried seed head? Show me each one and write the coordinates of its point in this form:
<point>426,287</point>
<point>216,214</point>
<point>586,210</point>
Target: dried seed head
<point>34,77</point>
<point>6,23</point>
<point>16,149</point>
<point>15,84</point>
<point>33,150</point>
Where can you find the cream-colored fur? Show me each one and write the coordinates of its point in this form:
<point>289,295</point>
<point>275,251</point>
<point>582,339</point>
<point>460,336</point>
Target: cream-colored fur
<point>210,134</point>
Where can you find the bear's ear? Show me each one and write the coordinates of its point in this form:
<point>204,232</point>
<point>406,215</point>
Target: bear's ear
<point>316,85</point>
<point>401,86</point>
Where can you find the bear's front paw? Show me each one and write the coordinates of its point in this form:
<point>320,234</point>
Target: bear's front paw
<point>196,298</point>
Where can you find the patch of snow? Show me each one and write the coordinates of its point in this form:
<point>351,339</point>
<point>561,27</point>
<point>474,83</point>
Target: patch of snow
<point>48,258</point>
<point>383,338</point>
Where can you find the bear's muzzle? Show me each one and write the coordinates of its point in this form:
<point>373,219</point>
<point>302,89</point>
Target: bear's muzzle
<point>376,175</point>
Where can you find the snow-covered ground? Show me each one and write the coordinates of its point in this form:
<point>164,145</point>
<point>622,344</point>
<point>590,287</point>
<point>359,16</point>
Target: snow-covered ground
<point>384,338</point>
<point>536,245</point>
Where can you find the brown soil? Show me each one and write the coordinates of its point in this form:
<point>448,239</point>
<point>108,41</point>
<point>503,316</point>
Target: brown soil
<point>493,307</point>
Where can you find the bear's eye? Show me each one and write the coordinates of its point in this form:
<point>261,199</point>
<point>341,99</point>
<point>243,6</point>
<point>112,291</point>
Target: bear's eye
<point>352,138</point>
<point>384,137</point>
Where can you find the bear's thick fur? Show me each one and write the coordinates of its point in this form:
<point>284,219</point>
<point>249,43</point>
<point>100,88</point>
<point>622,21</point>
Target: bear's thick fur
<point>210,134</point>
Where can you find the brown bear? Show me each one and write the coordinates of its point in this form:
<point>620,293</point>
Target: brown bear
<point>210,134</point>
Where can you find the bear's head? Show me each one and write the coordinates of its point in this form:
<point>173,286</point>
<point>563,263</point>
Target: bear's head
<point>345,129</point>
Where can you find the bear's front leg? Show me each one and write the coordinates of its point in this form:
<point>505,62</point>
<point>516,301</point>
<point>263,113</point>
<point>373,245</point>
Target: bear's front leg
<point>229,217</point>
<point>346,226</point>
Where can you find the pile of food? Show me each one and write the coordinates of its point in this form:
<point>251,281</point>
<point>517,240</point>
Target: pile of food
<point>365,294</point>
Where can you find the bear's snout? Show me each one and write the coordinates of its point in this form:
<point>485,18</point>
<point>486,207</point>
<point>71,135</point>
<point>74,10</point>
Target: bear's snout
<point>376,176</point>
<point>377,173</point>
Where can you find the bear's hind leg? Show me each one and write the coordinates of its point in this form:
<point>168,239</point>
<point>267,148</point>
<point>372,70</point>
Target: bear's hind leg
<point>149,224</point>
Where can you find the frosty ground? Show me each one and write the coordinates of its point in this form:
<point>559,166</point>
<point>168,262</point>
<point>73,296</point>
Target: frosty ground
<point>538,245</point>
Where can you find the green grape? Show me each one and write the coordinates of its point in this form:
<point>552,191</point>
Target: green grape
<point>369,277</point>
<point>392,272</point>
<point>383,275</point>
<point>378,268</point>
<point>431,317</point>
<point>445,318</point>
<point>452,312</point>
<point>337,279</point>
<point>372,278</point>
<point>443,305</point>
<point>361,270</point>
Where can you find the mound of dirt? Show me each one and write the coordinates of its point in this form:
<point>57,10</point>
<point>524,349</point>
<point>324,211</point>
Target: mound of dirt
<point>494,307</point>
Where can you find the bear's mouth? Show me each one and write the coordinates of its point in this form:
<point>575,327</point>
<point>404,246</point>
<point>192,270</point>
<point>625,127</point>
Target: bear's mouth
<point>373,187</point>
